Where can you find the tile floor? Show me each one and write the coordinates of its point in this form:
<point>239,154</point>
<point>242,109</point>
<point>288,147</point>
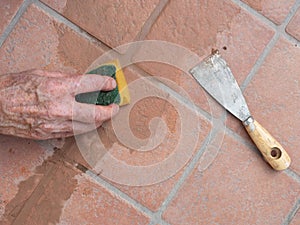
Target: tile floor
<point>173,156</point>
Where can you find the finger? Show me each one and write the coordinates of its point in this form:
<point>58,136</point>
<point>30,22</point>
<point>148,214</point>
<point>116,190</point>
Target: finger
<point>44,73</point>
<point>68,126</point>
<point>91,82</point>
<point>88,113</point>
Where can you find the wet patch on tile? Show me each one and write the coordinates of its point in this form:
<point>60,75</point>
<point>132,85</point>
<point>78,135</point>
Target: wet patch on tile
<point>41,197</point>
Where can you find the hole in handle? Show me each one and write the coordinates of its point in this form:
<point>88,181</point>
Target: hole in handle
<point>276,153</point>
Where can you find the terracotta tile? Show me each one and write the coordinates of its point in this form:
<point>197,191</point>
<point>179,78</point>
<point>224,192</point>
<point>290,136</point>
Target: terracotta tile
<point>202,26</point>
<point>39,41</point>
<point>19,158</point>
<point>147,145</point>
<point>274,10</point>
<point>296,219</point>
<point>237,188</point>
<point>168,156</point>
<point>293,27</point>
<point>273,97</point>
<point>8,10</point>
<point>92,204</point>
<point>113,22</point>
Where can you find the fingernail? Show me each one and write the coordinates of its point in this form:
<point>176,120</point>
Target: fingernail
<point>113,83</point>
<point>115,109</point>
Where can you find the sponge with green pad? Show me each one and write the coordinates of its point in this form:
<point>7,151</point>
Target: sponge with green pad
<point>119,95</point>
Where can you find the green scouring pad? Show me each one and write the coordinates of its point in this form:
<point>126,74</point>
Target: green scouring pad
<point>119,95</point>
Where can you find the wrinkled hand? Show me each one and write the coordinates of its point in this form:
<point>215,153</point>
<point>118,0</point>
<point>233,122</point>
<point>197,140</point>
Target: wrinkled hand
<point>41,105</point>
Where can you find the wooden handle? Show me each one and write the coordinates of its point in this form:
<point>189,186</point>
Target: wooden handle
<point>271,150</point>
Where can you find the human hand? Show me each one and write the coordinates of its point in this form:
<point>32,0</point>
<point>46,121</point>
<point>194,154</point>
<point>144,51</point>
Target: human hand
<point>41,105</point>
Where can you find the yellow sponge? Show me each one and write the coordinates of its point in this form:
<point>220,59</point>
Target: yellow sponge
<point>121,83</point>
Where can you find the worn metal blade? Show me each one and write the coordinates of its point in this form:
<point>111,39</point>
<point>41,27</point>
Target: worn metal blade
<point>214,75</point>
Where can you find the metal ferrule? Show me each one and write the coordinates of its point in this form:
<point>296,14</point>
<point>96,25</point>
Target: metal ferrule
<point>248,121</point>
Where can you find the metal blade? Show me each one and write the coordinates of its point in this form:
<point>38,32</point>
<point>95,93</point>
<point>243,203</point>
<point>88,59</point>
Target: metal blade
<point>214,75</point>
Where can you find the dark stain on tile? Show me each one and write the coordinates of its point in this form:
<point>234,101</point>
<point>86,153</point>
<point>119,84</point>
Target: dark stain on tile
<point>41,197</point>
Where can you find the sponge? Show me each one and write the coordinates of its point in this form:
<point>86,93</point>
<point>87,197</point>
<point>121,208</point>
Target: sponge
<point>120,95</point>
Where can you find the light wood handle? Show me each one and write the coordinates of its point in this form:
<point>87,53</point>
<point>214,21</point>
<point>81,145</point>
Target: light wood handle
<point>271,150</point>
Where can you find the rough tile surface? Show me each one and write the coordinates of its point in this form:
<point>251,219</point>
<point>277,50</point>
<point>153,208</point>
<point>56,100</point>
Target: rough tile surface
<point>204,26</point>
<point>237,188</point>
<point>39,41</point>
<point>274,10</point>
<point>293,26</point>
<point>113,22</point>
<point>92,204</point>
<point>273,96</point>
<point>296,219</point>
<point>8,9</point>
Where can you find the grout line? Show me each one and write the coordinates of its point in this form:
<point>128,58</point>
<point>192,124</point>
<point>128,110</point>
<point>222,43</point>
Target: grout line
<point>116,191</point>
<point>180,98</point>
<point>289,172</point>
<point>14,21</point>
<point>255,13</point>
<point>260,61</point>
<point>157,220</point>
<point>151,20</point>
<point>292,174</point>
<point>291,39</point>
<point>71,25</point>
<point>279,31</point>
<point>247,143</point>
<point>290,15</point>
<point>188,170</point>
<point>282,28</point>
<point>146,28</point>
<point>154,217</point>
<point>292,213</point>
<point>266,20</point>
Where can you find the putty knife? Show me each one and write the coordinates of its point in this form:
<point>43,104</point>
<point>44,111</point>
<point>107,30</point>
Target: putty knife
<point>214,75</point>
